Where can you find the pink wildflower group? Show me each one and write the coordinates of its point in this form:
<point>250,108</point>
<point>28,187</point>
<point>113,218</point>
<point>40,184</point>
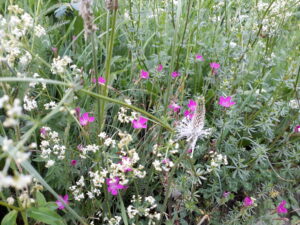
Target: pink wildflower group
<point>113,185</point>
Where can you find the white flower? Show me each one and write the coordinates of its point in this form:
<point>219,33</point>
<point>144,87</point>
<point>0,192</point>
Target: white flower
<point>39,31</point>
<point>102,135</point>
<point>50,163</point>
<point>192,129</point>
<point>10,200</point>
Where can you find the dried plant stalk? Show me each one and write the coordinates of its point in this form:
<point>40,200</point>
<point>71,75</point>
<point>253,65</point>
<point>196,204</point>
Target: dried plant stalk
<point>111,4</point>
<point>86,12</point>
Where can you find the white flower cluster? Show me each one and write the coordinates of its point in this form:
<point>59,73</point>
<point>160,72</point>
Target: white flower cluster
<point>294,104</point>
<point>50,146</point>
<point>50,105</point>
<point>114,220</point>
<point>89,148</point>
<point>12,29</point>
<point>33,84</point>
<point>13,112</point>
<point>124,118</point>
<point>19,181</point>
<point>162,163</point>
<point>59,65</point>
<point>29,103</point>
<point>143,208</point>
<point>216,161</point>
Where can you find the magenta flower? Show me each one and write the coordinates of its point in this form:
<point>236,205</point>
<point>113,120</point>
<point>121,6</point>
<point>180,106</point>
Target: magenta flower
<point>113,185</point>
<point>73,162</point>
<point>189,151</point>
<point>188,114</point>
<point>280,208</point>
<point>248,201</point>
<point>226,101</point>
<point>54,50</point>
<point>214,65</point>
<point>144,74</point>
<point>85,119</point>
<point>192,105</point>
<point>59,203</point>
<point>199,57</point>
<point>159,68</point>
<point>226,194</point>
<point>43,131</point>
<point>101,80</point>
<point>174,106</point>
<point>165,161</point>
<point>175,74</point>
<point>297,129</point>
<point>140,123</point>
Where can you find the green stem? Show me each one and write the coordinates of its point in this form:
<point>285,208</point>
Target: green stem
<point>107,69</point>
<point>10,206</point>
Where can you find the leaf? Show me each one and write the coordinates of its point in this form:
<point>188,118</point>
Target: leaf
<point>10,218</point>
<point>41,201</point>
<point>45,215</point>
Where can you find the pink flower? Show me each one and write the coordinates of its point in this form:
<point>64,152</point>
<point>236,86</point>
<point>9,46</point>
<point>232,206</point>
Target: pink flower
<point>113,185</point>
<point>43,131</point>
<point>101,80</point>
<point>280,208</point>
<point>192,105</point>
<point>73,162</point>
<point>144,74</point>
<point>226,194</point>
<point>59,203</point>
<point>85,119</point>
<point>54,50</point>
<point>189,151</point>
<point>199,57</point>
<point>175,74</point>
<point>174,106</point>
<point>140,123</point>
<point>297,129</point>
<point>159,68</point>
<point>74,37</point>
<point>226,101</point>
<point>214,65</point>
<point>248,201</point>
<point>165,161</point>
<point>188,114</point>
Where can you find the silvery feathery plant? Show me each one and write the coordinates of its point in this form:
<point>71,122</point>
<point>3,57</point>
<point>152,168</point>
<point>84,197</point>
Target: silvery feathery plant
<point>193,128</point>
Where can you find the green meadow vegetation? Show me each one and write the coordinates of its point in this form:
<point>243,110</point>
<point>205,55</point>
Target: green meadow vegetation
<point>145,112</point>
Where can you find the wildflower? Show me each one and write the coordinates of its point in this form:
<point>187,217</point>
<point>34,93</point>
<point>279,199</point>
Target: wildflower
<point>73,162</point>
<point>188,114</point>
<point>248,201</point>
<point>175,74</point>
<point>101,80</point>
<point>159,68</point>
<point>280,208</point>
<point>140,123</point>
<point>226,194</point>
<point>54,50</point>
<point>144,74</point>
<point>214,66</point>
<point>174,106</point>
<point>193,129</point>
<point>297,129</point>
<point>226,101</point>
<point>64,199</point>
<point>43,131</point>
<point>192,105</point>
<point>199,57</point>
<point>85,119</point>
<point>113,185</point>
